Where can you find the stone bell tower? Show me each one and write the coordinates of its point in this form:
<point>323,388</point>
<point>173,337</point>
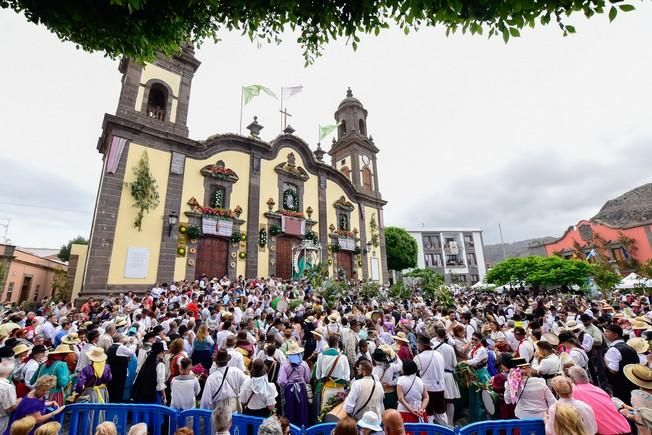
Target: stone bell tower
<point>158,93</point>
<point>354,152</point>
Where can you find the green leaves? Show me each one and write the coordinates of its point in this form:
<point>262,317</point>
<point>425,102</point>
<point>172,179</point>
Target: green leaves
<point>144,190</point>
<point>402,249</point>
<point>140,29</point>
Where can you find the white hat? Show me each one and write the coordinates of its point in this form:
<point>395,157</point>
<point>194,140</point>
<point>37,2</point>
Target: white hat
<point>370,420</point>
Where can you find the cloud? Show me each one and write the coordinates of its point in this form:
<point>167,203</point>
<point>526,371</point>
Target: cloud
<point>535,195</point>
<point>44,208</point>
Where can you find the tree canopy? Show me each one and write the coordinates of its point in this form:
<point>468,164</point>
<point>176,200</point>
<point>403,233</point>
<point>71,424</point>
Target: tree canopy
<point>402,249</point>
<point>550,272</point>
<point>140,29</point>
<point>64,252</point>
<point>432,286</point>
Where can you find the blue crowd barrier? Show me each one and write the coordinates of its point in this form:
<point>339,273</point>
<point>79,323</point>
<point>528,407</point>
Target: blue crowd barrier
<point>527,426</point>
<point>83,418</point>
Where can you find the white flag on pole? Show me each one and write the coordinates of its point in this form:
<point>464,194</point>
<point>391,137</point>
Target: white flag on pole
<point>290,91</point>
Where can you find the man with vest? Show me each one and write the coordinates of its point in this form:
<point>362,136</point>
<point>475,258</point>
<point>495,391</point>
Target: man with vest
<point>617,357</point>
<point>597,351</point>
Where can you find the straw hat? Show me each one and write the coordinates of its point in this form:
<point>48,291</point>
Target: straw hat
<point>317,334</point>
<point>334,317</point>
<point>573,326</point>
<point>637,324</point>
<point>388,351</point>
<point>96,354</point>
<point>565,358</point>
<point>71,338</point>
<point>639,375</point>
<point>21,348</point>
<point>640,345</point>
<point>551,338</point>
<point>294,348</point>
<point>120,321</point>
<point>61,349</point>
<point>400,336</point>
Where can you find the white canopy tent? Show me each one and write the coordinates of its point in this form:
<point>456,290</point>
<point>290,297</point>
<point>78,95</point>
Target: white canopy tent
<point>634,281</point>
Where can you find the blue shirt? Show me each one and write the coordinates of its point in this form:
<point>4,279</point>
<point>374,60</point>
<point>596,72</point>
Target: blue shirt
<point>58,336</point>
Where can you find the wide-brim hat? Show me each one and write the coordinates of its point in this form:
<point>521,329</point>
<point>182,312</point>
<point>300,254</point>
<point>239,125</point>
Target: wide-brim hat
<point>61,349</point>
<point>231,340</point>
<point>334,317</point>
<point>370,420</point>
<point>400,336</point>
<point>21,348</point>
<point>71,338</point>
<point>640,345</point>
<point>242,337</point>
<point>294,348</point>
<point>309,319</point>
<point>222,357</point>
<point>387,350</point>
<point>639,374</point>
<point>316,334</point>
<point>120,321</point>
<point>519,362</point>
<point>96,354</point>
<point>573,326</point>
<point>551,338</point>
<point>637,324</point>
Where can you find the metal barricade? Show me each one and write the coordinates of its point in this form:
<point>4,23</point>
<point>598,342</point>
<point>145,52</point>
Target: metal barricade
<point>529,426</point>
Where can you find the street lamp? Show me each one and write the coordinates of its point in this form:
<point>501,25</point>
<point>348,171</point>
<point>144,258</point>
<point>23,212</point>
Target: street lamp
<point>172,221</point>
<point>368,246</point>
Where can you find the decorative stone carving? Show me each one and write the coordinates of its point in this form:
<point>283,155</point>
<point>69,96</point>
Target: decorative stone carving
<point>290,169</point>
<point>343,204</point>
<point>220,172</point>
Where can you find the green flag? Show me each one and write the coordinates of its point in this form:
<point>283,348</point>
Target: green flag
<point>251,91</point>
<point>325,130</point>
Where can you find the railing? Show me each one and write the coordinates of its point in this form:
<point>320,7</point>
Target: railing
<point>156,113</point>
<point>83,418</point>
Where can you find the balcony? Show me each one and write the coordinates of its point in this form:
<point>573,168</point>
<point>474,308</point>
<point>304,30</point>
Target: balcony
<point>156,113</point>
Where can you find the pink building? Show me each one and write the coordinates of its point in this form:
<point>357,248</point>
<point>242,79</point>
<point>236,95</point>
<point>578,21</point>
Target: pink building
<point>619,244</point>
<point>25,276</point>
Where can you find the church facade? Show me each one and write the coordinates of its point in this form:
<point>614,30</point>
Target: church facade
<point>231,204</point>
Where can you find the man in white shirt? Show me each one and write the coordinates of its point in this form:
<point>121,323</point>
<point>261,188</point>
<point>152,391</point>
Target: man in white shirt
<point>524,348</point>
<point>366,393</point>
<point>332,370</point>
<point>431,366</point>
<point>223,385</point>
<point>452,390</point>
<point>49,330</point>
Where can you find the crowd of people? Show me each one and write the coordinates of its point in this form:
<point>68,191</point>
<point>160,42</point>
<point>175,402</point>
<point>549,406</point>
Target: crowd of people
<point>277,350</point>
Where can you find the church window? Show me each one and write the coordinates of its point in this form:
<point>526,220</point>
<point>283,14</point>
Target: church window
<point>157,102</point>
<point>361,127</point>
<point>346,171</point>
<point>342,128</point>
<point>343,222</point>
<point>218,197</point>
<point>290,197</point>
<point>366,178</point>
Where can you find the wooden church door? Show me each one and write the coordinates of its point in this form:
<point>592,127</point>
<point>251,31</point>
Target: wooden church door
<point>212,257</point>
<point>284,257</point>
<point>345,261</point>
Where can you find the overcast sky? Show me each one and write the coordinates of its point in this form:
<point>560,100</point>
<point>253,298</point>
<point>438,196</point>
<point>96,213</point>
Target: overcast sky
<point>535,134</point>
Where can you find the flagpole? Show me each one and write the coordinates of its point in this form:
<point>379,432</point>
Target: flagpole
<point>241,107</point>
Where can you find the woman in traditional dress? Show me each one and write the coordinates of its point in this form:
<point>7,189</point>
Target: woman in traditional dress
<point>293,377</point>
<point>477,360</point>
<point>258,395</point>
<point>387,370</point>
<point>56,366</point>
<point>35,403</point>
<point>94,377</point>
<point>498,384</point>
<point>202,347</point>
<point>412,394</point>
<point>149,386</point>
<point>530,395</point>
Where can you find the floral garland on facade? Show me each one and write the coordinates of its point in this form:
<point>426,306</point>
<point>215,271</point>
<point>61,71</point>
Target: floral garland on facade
<point>345,233</point>
<point>222,212</point>
<point>262,237</point>
<point>289,213</point>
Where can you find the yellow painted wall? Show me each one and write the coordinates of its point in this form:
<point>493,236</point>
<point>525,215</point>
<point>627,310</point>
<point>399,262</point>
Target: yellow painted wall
<point>193,185</point>
<point>82,252</point>
<point>173,80</point>
<point>150,236</point>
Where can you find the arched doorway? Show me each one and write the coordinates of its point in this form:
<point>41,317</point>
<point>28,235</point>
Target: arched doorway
<point>284,256</point>
<point>345,261</point>
<point>212,257</point>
